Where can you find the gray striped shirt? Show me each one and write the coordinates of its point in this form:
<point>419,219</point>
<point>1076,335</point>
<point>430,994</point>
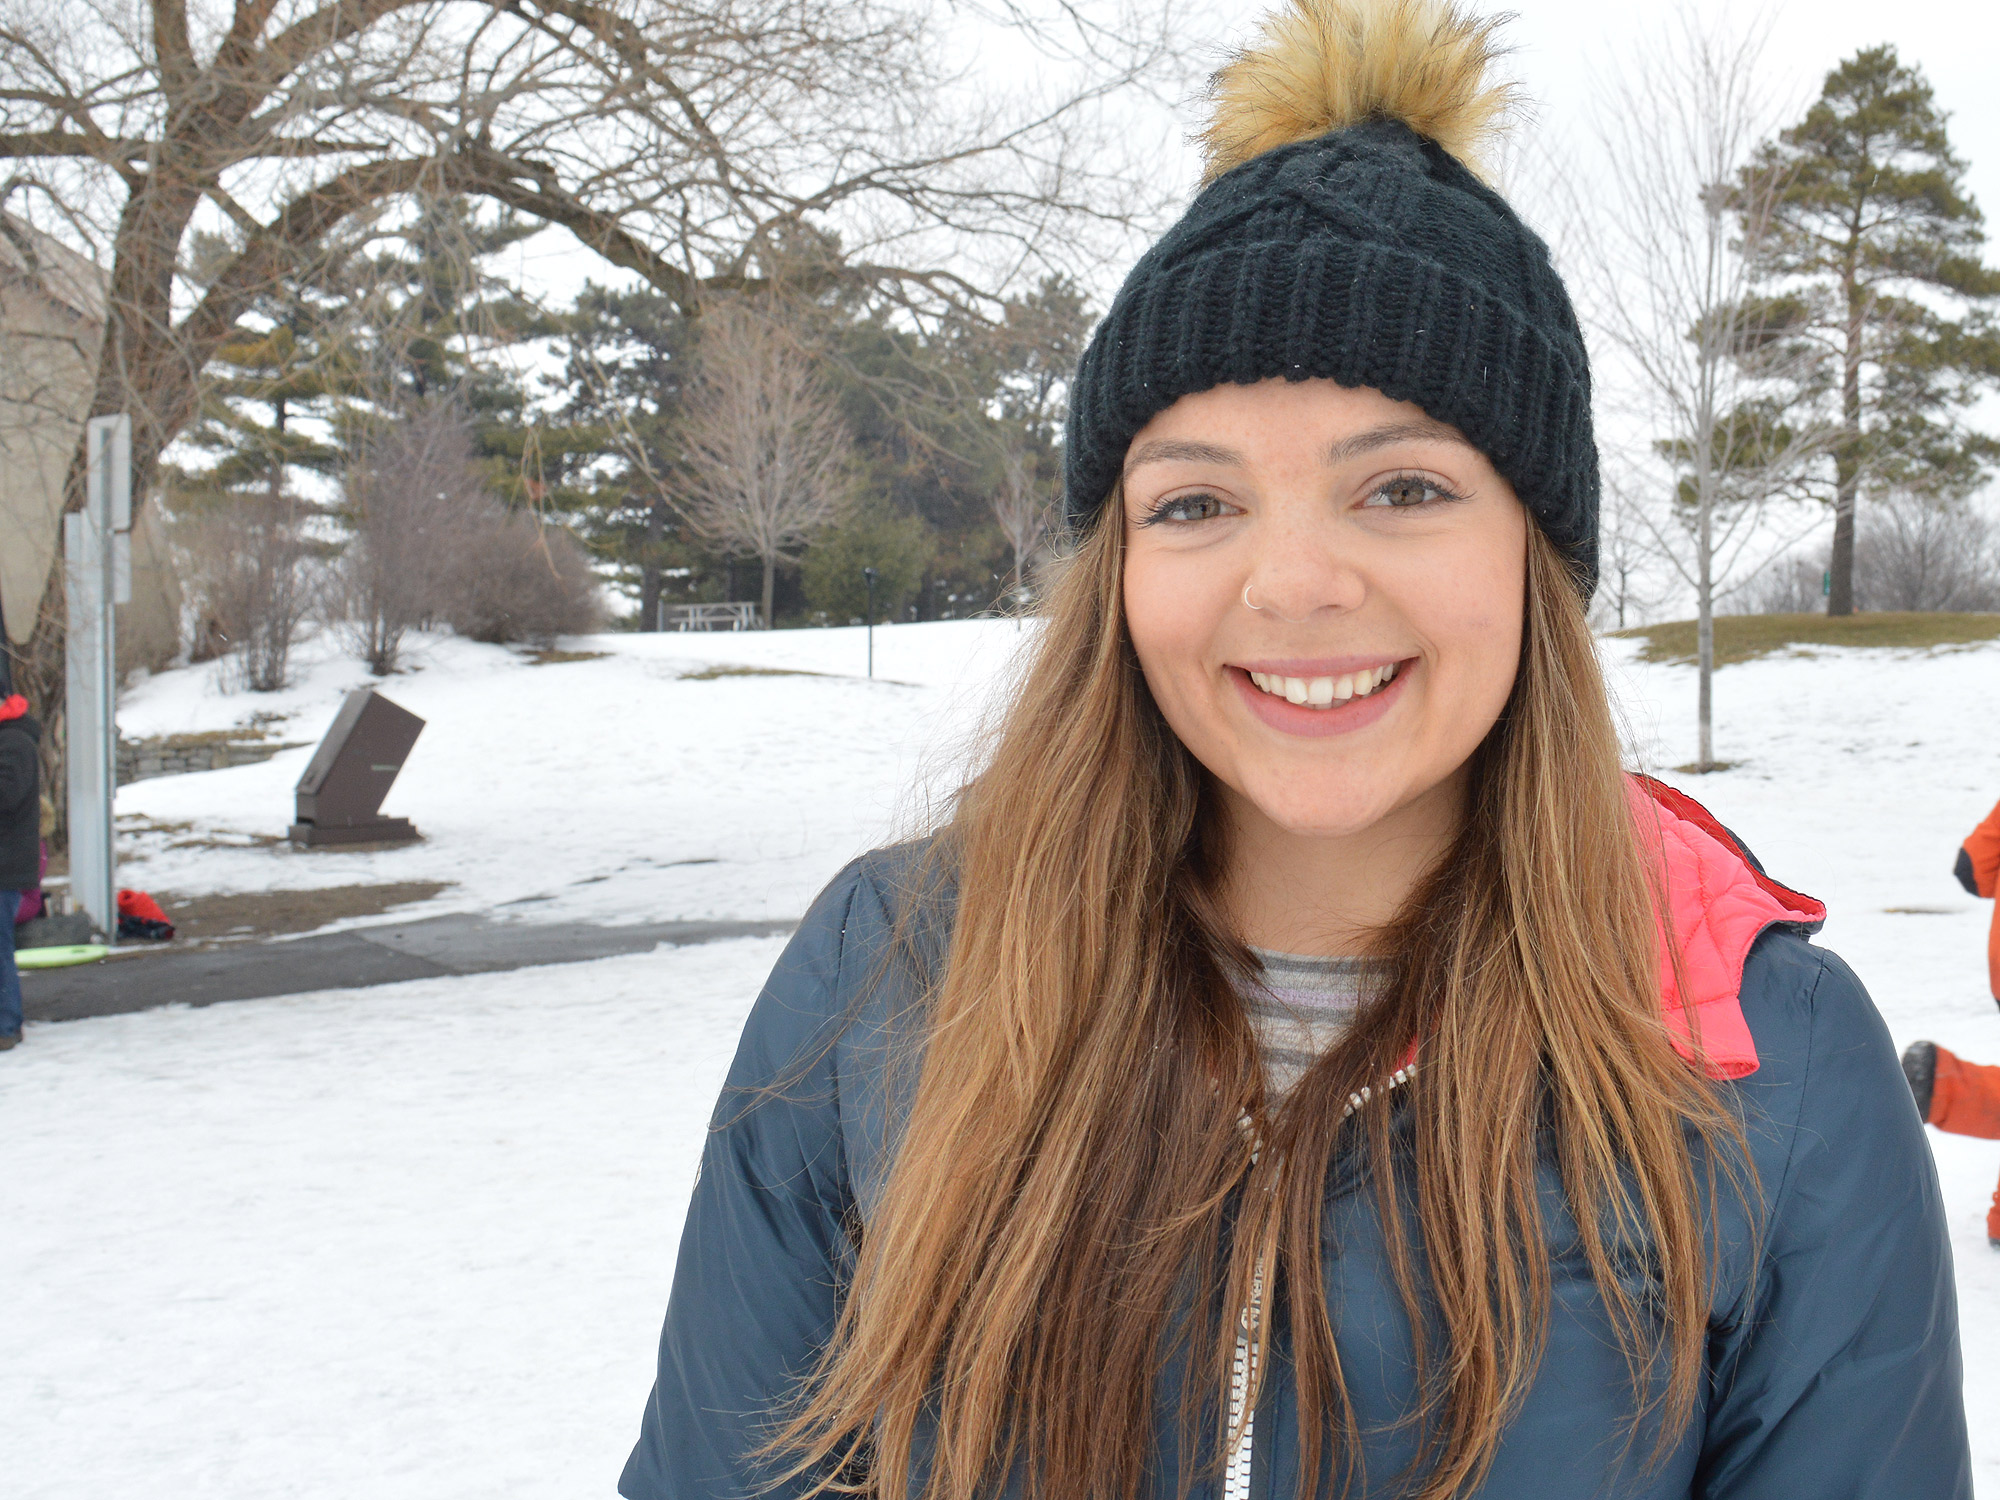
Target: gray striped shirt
<point>1303,1006</point>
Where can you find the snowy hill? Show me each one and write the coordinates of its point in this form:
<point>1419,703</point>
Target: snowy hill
<point>413,1242</point>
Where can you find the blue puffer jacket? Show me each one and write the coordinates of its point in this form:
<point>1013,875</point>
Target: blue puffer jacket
<point>1833,1362</point>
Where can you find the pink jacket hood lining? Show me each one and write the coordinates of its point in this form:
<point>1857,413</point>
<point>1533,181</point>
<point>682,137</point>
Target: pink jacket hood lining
<point>1718,903</point>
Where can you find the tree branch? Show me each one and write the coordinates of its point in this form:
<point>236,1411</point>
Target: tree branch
<point>109,149</point>
<point>175,51</point>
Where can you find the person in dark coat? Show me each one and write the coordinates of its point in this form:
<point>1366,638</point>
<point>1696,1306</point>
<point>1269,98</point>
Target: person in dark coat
<point>20,837</point>
<point>1303,1060</point>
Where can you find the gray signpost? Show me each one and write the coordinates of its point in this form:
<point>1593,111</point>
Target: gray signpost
<point>97,563</point>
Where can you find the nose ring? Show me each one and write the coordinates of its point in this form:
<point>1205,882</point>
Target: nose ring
<point>1261,609</point>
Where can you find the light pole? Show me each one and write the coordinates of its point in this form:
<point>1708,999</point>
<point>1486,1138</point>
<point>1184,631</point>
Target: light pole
<point>869,575</point>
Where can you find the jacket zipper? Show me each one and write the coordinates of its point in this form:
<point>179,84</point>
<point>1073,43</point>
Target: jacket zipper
<point>1236,1475</point>
<point>1243,1369</point>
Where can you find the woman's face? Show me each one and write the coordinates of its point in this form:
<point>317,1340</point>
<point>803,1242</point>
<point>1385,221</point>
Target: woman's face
<point>1386,563</point>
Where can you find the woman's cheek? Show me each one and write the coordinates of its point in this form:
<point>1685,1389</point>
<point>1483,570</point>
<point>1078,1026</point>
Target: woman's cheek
<point>1172,625</point>
<point>1477,624</point>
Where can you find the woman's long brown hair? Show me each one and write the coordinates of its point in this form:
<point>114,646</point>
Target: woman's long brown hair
<point>1077,1203</point>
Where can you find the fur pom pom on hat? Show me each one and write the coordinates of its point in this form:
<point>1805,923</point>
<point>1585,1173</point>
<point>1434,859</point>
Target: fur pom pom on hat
<point>1344,232</point>
<point>1323,66</point>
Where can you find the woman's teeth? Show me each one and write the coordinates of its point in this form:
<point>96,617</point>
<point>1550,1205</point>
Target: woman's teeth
<point>1324,692</point>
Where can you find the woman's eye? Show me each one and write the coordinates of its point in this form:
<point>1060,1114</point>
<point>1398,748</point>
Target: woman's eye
<point>1407,490</point>
<point>1184,508</point>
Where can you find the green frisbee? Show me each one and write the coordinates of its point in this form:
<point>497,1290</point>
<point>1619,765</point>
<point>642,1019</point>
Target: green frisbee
<point>60,957</point>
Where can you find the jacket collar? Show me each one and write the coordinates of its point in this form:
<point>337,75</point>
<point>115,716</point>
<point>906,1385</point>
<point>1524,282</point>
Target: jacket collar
<point>1718,902</point>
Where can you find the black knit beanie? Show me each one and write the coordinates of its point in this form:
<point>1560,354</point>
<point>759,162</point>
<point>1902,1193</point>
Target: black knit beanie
<point>1368,254</point>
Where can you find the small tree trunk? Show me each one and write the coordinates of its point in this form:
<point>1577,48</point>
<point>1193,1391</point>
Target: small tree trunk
<point>1840,585</point>
<point>770,585</point>
<point>1704,631</point>
<point>649,567</point>
<point>1847,463</point>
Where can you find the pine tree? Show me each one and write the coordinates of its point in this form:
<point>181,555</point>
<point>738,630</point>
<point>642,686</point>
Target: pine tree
<point>414,317</point>
<point>427,308</point>
<point>283,362</point>
<point>1876,246</point>
<point>1032,354</point>
<point>625,361</point>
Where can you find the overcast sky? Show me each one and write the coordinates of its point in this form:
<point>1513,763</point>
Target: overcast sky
<point>1956,43</point>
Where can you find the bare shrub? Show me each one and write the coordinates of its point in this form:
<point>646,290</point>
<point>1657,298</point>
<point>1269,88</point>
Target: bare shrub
<point>518,580</point>
<point>250,581</point>
<point>1790,585</point>
<point>1921,554</point>
<point>414,501</point>
<point>1911,553</point>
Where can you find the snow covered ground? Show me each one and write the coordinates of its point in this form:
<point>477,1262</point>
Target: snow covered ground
<point>414,1241</point>
<point>408,1243</point>
<point>623,788</point>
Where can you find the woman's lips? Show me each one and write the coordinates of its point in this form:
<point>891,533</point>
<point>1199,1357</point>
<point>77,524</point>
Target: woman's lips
<point>1315,723</point>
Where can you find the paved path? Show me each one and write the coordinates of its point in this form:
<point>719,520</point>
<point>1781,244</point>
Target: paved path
<point>138,977</point>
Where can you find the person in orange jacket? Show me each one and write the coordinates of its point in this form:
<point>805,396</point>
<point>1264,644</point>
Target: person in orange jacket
<point>1953,1094</point>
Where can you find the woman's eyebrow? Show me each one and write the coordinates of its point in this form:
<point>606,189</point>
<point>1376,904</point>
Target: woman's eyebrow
<point>1168,450</point>
<point>1416,430</point>
<point>1354,445</point>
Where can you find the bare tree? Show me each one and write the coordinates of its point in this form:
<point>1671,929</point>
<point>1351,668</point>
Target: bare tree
<point>678,139</point>
<point>1627,559</point>
<point>764,442</point>
<point>1667,248</point>
<point>414,502</point>
<point>1020,503</point>
<point>252,584</point>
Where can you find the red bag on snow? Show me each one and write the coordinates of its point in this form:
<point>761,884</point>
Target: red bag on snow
<point>139,916</point>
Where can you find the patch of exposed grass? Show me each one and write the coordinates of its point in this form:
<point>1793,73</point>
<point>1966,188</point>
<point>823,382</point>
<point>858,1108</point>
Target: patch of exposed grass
<point>554,658</point>
<point>721,669</point>
<point>231,841</point>
<point>1747,637</point>
<point>207,739</point>
<point>145,823</point>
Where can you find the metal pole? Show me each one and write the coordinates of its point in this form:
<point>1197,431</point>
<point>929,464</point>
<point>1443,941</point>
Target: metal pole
<point>98,577</point>
<point>869,575</point>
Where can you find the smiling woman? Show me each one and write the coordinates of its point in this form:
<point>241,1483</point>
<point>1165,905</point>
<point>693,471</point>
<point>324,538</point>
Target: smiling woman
<point>1304,1062</point>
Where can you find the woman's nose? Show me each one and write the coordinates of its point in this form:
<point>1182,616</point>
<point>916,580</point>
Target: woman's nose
<point>1300,577</point>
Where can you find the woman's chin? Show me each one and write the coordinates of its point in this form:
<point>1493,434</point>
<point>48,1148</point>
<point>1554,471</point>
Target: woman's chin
<point>1339,816</point>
